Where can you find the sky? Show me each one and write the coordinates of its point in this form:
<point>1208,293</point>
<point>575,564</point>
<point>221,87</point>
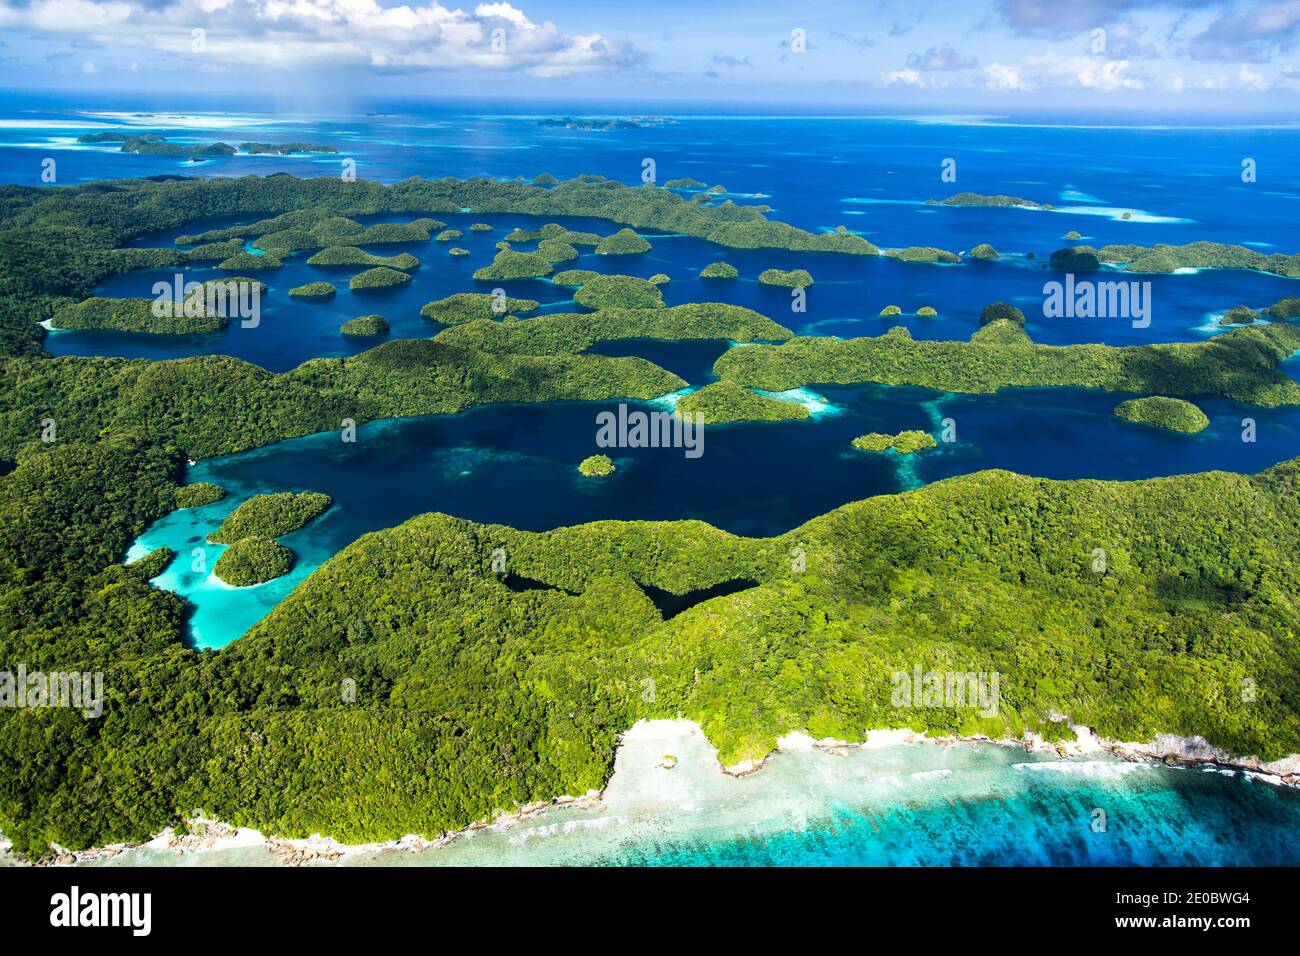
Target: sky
<point>891,55</point>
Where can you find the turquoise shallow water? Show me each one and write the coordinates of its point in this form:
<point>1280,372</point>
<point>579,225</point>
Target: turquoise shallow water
<point>903,805</point>
<point>919,804</point>
<point>778,475</point>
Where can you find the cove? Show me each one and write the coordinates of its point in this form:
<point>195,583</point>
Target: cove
<point>517,465</point>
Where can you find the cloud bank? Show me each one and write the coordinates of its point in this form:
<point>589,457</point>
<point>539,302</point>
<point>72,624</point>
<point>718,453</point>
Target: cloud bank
<point>305,34</point>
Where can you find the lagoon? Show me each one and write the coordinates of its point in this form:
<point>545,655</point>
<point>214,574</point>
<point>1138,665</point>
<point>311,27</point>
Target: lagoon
<point>517,465</point>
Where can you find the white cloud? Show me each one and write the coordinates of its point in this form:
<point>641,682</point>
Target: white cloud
<point>1087,72</point>
<point>1244,79</point>
<point>1077,72</point>
<point>903,78</point>
<point>1251,81</point>
<point>999,76</point>
<point>330,33</point>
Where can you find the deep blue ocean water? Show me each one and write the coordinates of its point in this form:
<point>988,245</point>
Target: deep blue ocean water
<point>873,175</point>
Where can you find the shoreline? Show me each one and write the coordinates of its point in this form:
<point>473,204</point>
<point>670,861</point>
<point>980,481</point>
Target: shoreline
<point>1167,749</point>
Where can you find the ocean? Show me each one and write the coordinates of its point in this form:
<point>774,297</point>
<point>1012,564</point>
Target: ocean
<point>1141,183</point>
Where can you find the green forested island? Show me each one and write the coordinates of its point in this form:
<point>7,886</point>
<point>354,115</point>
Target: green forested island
<point>1174,414</point>
<point>313,290</point>
<point>198,494</point>
<point>140,315</point>
<point>391,613</point>
<point>720,402</point>
<point>468,306</point>
<point>568,332</point>
<point>790,278</point>
<point>380,277</point>
<point>365,325</point>
<point>597,291</point>
<point>270,516</point>
<point>596,466</point>
<point>153,144</point>
<point>352,256</point>
<point>719,270</point>
<point>250,561</point>
<point>622,243</point>
<point>473,696</point>
<point>1241,365</point>
<point>975,199</point>
<point>61,243</point>
<point>924,254</point>
<point>1196,255</point>
<point>904,442</point>
<point>285,149</point>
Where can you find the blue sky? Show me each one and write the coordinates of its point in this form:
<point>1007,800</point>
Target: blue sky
<point>894,54</point>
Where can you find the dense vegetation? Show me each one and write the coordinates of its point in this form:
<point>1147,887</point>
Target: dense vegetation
<point>313,290</point>
<point>1005,332</point>
<point>270,516</point>
<point>905,442</point>
<point>216,405</point>
<point>199,494</point>
<point>975,199</point>
<point>62,242</point>
<point>596,466</point>
<point>995,311</point>
<point>556,251</point>
<point>468,306</point>
<point>154,144</point>
<point>428,377</point>
<point>1241,365</point>
<point>1288,308</point>
<point>613,291</point>
<point>140,315</point>
<point>250,561</point>
<point>250,262</point>
<point>568,332</point>
<point>1239,315</point>
<point>380,277</point>
<point>622,243</point>
<point>473,696</point>
<point>352,256</point>
<point>554,232</point>
<point>1174,414</point>
<point>510,264</point>
<point>720,402</point>
<point>286,149</point>
<point>1196,255</point>
<point>789,278</point>
<point>365,325</point>
<point>719,270</point>
<point>923,254</point>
